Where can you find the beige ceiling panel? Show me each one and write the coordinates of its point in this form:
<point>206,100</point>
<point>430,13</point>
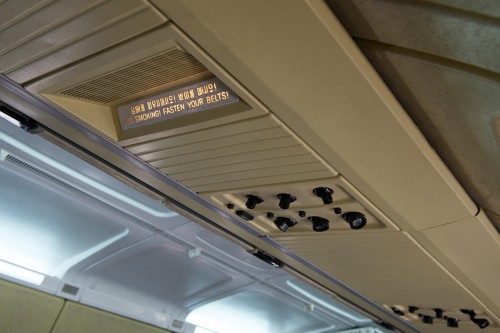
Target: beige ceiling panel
<point>216,151</point>
<point>77,318</point>
<point>459,35</point>
<point>60,33</point>
<point>463,105</point>
<point>482,7</point>
<point>387,267</point>
<point>252,152</point>
<point>247,127</point>
<point>473,246</point>
<point>252,138</point>
<point>184,163</point>
<point>318,83</point>
<point>24,310</point>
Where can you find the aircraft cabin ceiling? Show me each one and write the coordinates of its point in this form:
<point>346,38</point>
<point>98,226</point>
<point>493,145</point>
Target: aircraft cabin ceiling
<point>335,162</point>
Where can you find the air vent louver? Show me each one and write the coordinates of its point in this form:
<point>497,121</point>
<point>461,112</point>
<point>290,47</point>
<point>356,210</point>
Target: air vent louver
<point>153,72</point>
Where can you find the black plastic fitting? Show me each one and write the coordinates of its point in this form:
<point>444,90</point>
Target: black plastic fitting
<point>244,215</point>
<point>356,220</point>
<point>285,200</point>
<point>320,224</point>
<point>325,193</point>
<point>283,223</point>
<point>252,201</point>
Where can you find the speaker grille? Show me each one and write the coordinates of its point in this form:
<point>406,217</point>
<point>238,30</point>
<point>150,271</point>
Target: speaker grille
<point>158,70</point>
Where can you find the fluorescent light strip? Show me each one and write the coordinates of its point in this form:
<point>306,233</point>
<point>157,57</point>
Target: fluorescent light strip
<point>10,119</point>
<point>72,173</point>
<point>328,305</point>
<point>21,273</point>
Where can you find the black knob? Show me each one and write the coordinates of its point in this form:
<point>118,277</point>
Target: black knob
<point>481,322</point>
<point>356,220</point>
<point>230,206</point>
<point>285,200</point>
<point>397,311</point>
<point>439,313</point>
<point>244,215</point>
<point>320,224</point>
<point>337,210</point>
<point>325,193</point>
<point>252,201</point>
<point>412,308</point>
<point>302,213</point>
<point>471,313</point>
<point>428,320</point>
<point>270,215</point>
<point>452,322</point>
<point>283,223</point>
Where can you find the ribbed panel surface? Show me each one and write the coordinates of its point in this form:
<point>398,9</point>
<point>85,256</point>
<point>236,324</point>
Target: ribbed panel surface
<point>386,267</point>
<point>247,153</point>
<point>42,36</point>
<point>150,73</point>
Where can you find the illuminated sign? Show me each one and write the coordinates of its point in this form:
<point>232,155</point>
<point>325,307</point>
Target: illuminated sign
<point>197,97</point>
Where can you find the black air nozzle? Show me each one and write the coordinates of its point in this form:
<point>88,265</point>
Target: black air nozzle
<point>283,223</point>
<point>356,220</point>
<point>320,224</point>
<point>325,193</point>
<point>481,322</point>
<point>252,201</point>
<point>285,200</point>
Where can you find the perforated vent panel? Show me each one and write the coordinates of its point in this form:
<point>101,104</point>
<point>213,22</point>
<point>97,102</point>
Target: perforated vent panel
<point>158,70</point>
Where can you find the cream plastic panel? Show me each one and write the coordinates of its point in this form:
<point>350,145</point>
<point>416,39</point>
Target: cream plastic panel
<point>460,241</point>
<point>348,115</point>
<point>77,318</point>
<point>388,267</point>
<point>248,153</point>
<point>24,310</point>
<point>344,196</point>
<point>465,114</point>
<point>51,34</point>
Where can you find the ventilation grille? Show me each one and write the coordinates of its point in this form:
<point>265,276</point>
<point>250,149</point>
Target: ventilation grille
<point>248,153</point>
<point>162,69</point>
<point>28,167</point>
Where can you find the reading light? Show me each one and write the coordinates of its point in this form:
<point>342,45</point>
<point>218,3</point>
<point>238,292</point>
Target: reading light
<point>21,273</point>
<point>325,193</point>
<point>481,322</point>
<point>15,117</point>
<point>285,200</point>
<point>439,313</point>
<point>320,224</point>
<point>356,220</point>
<point>283,223</point>
<point>452,322</point>
<point>252,201</point>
